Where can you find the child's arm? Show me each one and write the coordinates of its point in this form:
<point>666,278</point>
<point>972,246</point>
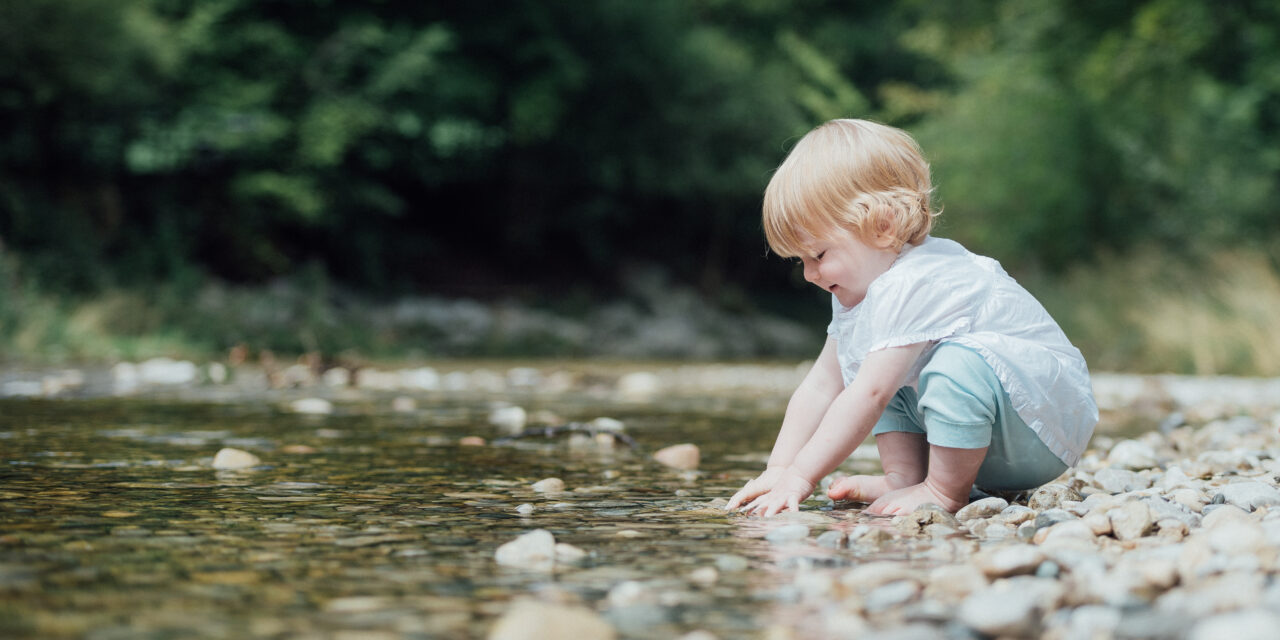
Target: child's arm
<point>808,404</point>
<point>848,420</point>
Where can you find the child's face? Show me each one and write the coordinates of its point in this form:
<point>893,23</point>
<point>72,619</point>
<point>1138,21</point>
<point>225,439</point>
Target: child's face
<point>845,265</point>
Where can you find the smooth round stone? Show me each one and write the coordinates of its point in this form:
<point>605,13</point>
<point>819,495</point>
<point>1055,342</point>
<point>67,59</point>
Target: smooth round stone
<point>229,458</point>
<point>685,457</point>
<point>954,582</point>
<point>1119,480</point>
<point>1133,455</point>
<point>1050,517</point>
<point>832,539</point>
<point>509,419</point>
<point>569,554</point>
<point>984,508</point>
<point>1251,495</point>
<point>611,425</point>
<point>1009,560</point>
<point>1223,514</point>
<point>1010,607</point>
<point>639,385</point>
<point>1192,499</point>
<point>929,513</point>
<point>549,485</point>
<point>1074,529</point>
<point>1016,514</point>
<point>731,563</point>
<point>1252,624</point>
<point>788,533</point>
<point>893,594</point>
<point>1052,495</point>
<point>704,576</point>
<point>1236,537</point>
<point>312,406</point>
<point>533,550</point>
<point>873,574</point>
<point>533,620</point>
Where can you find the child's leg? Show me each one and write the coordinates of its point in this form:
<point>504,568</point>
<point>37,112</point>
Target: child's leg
<point>904,452</point>
<point>904,457</point>
<point>974,435</point>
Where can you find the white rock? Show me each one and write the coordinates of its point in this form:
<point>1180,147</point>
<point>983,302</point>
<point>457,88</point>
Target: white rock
<point>1223,514</point>
<point>549,485</point>
<point>686,457</point>
<point>1251,495</point>
<point>868,576</point>
<point>1119,480</point>
<point>336,377</point>
<point>1134,455</point>
<point>704,576</point>
<point>21,389</point>
<point>630,592</point>
<point>1009,560</point>
<point>167,371</point>
<point>1237,536</point>
<point>1192,499</point>
<point>568,554</point>
<point>954,582</point>
<point>1012,606</point>
<point>509,419</point>
<point>217,372</point>
<point>525,509</point>
<point>533,550</point>
<point>228,458</point>
<point>1131,520</point>
<point>533,620</point>
<point>403,404</point>
<point>1253,624</point>
<point>611,425</point>
<point>788,533</point>
<point>893,594</point>
<point>984,508</point>
<point>376,380</point>
<point>421,379</point>
<point>312,406</point>
<point>639,385</point>
<point>125,378</point>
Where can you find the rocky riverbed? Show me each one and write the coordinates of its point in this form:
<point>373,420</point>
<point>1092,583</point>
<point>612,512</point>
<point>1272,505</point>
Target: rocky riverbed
<point>584,500</point>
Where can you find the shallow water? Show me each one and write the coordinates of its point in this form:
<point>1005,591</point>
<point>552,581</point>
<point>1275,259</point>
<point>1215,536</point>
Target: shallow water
<point>113,524</point>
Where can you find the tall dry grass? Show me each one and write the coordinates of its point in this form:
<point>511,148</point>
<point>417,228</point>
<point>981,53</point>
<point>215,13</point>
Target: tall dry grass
<point>1153,311</point>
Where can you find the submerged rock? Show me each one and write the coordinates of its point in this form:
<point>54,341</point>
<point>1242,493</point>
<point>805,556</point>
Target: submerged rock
<point>533,550</point>
<point>229,458</point>
<point>312,406</point>
<point>533,620</point>
<point>685,457</point>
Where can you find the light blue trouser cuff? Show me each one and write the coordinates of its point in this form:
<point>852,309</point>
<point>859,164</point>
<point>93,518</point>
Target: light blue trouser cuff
<point>961,404</point>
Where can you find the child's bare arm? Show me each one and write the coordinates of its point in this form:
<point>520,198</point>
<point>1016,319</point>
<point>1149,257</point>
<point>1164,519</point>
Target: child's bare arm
<point>847,422</point>
<point>808,404</point>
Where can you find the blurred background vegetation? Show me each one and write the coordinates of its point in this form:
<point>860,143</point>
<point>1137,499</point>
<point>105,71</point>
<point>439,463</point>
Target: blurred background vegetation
<point>181,176</point>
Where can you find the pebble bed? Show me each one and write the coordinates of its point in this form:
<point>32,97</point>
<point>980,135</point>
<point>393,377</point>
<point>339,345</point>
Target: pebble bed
<point>1173,532</point>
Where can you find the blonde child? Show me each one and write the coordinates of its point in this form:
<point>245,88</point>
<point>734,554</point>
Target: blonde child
<point>959,373</point>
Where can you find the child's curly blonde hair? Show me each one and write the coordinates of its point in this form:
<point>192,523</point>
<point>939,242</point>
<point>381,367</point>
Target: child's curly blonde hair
<point>860,176</point>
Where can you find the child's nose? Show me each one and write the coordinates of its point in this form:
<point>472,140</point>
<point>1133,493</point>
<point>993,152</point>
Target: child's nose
<point>810,272</point>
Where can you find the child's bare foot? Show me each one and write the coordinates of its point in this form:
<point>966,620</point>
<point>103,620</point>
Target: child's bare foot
<point>904,501</point>
<point>861,488</point>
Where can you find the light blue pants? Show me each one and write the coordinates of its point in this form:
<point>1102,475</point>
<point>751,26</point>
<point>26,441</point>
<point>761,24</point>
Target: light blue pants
<point>961,404</point>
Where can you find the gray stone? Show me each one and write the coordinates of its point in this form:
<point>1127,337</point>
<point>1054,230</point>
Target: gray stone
<point>1052,495</point>
<point>1011,607</point>
<point>1119,480</point>
<point>1251,495</point>
<point>984,508</point>
<point>1133,455</point>
<point>1050,517</point>
<point>788,533</point>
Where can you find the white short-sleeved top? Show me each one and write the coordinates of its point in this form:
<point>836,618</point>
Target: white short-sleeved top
<point>939,292</point>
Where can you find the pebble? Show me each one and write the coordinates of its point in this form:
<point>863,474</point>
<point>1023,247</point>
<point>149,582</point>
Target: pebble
<point>1131,520</point>
<point>1133,455</point>
<point>788,533</point>
<point>533,550</point>
<point>312,406</point>
<point>984,508</point>
<point>1251,495</point>
<point>229,458</point>
<point>833,539</point>
<point>1011,607</point>
<point>1052,495</point>
<point>685,457</point>
<point>533,620</point>
<point>509,419</point>
<point>1011,560</point>
<point>524,509</point>
<point>1119,480</point>
<point>471,441</point>
<point>1252,624</point>
<point>549,485</point>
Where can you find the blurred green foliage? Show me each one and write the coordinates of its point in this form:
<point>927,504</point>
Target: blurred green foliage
<point>519,147</point>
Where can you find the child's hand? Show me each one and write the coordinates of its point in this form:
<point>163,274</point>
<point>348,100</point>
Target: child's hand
<point>756,488</point>
<point>786,495</point>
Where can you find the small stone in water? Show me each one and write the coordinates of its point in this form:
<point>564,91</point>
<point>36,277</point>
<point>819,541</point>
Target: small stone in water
<point>679,456</point>
<point>297,449</point>
<point>471,441</point>
<point>509,419</point>
<point>833,539</point>
<point>568,553</point>
<point>788,533</point>
<point>704,575</point>
<point>730,563</point>
<point>533,550</point>
<point>524,509</point>
<point>611,425</point>
<point>984,508</point>
<point>404,404</point>
<point>533,620</point>
<point>229,458</point>
<point>312,406</point>
<point>549,485</point>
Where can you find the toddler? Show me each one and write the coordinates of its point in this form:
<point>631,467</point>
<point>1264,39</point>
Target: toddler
<point>958,371</point>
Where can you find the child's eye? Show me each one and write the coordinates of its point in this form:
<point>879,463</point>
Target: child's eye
<point>820,254</point>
